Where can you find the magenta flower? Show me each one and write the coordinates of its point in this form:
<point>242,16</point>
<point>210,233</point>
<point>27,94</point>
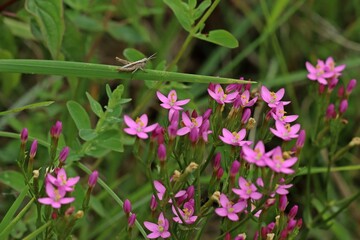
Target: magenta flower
<point>170,102</point>
<point>318,73</point>
<point>160,229</point>
<point>56,196</point>
<point>33,148</point>
<point>272,98</point>
<point>62,182</point>
<point>187,213</point>
<point>285,131</point>
<point>279,114</point>
<point>234,138</point>
<point>24,135</point>
<point>56,129</point>
<point>220,97</point>
<point>229,209</point>
<point>279,164</point>
<point>247,190</point>
<point>256,156</point>
<point>139,126</point>
<point>189,124</point>
<point>93,178</point>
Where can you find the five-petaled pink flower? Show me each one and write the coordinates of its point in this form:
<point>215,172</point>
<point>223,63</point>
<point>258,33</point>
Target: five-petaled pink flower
<point>335,70</point>
<point>272,98</point>
<point>318,73</point>
<point>187,213</point>
<point>220,96</point>
<point>247,190</point>
<point>61,180</point>
<point>139,126</point>
<point>170,102</point>
<point>56,196</point>
<point>256,156</point>
<point>243,100</point>
<point>229,209</point>
<point>278,164</point>
<point>189,124</point>
<point>279,114</point>
<point>161,229</point>
<point>234,138</point>
<point>285,131</point>
<point>282,188</point>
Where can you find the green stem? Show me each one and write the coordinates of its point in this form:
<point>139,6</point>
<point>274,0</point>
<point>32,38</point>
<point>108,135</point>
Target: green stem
<point>37,231</point>
<point>9,227</point>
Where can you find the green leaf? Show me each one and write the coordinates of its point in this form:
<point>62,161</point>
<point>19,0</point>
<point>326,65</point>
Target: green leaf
<point>79,115</point>
<point>132,54</point>
<point>192,3</point>
<point>125,33</point>
<point>95,106</point>
<point>49,17</point>
<point>199,11</point>
<point>10,80</point>
<point>30,106</point>
<point>181,11</point>
<point>10,213</point>
<point>19,29</point>
<point>87,134</point>
<point>12,179</point>
<point>220,37</point>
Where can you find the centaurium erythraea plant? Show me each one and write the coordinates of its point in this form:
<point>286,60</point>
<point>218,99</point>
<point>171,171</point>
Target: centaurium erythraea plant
<point>182,141</point>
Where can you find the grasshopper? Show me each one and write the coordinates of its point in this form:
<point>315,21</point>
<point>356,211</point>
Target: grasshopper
<point>133,66</point>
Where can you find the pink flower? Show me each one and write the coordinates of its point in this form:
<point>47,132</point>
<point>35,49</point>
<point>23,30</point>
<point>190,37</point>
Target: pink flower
<point>243,100</point>
<point>170,102</point>
<point>160,229</point>
<point>56,196</point>
<point>62,182</point>
<point>279,114</point>
<point>229,209</point>
<point>219,95</point>
<point>247,190</point>
<point>93,178</point>
<point>318,73</point>
<point>189,124</point>
<point>331,68</point>
<point>282,188</point>
<point>256,156</point>
<point>160,188</point>
<point>285,131</point>
<point>272,98</point>
<point>234,138</point>
<point>279,164</point>
<point>187,213</point>
<point>139,126</point>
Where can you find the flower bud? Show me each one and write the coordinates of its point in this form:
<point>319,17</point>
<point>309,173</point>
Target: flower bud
<point>127,207</point>
<point>235,166</point>
<point>343,106</point>
<point>293,212</point>
<point>216,197</point>
<point>69,211</point>
<point>64,154</point>
<point>153,203</point>
<point>220,173</point>
<point>190,192</point>
<point>351,85</point>
<point>291,224</point>
<point>227,236</point>
<point>191,168</point>
<point>216,161</point>
<point>283,201</point>
<point>131,220</point>
<point>241,236</point>
<point>321,88</point>
<point>79,214</point>
<point>194,135</point>
<point>355,142</point>
<point>301,139</point>
<point>207,114</point>
<point>36,173</point>
<point>251,123</point>
<point>246,115</point>
<point>161,152</point>
<point>56,130</point>
<point>24,135</point>
<point>332,83</point>
<point>341,92</point>
<point>33,148</point>
<point>270,236</point>
<point>330,111</point>
<point>93,178</point>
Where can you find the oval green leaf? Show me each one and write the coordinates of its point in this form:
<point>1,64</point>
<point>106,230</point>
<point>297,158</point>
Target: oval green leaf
<point>79,115</point>
<point>220,37</point>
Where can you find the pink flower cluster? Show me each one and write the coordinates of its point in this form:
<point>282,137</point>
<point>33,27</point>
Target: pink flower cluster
<point>327,75</point>
<point>57,187</point>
